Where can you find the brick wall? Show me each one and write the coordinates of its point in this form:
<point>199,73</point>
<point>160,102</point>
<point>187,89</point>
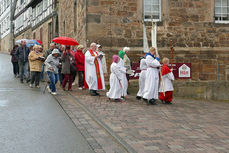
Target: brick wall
<point>72,19</point>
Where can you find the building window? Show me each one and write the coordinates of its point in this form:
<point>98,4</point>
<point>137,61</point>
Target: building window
<point>222,11</point>
<point>22,1</point>
<point>45,4</point>
<point>152,10</point>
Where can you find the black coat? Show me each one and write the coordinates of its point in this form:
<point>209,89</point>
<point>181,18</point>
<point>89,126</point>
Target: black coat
<point>22,53</point>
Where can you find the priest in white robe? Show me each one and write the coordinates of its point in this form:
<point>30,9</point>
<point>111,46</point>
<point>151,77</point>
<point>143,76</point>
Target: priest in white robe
<point>116,91</point>
<point>142,78</point>
<point>152,77</point>
<point>94,79</point>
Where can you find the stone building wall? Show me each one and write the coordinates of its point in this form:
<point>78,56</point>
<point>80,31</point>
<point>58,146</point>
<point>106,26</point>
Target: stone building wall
<point>6,44</point>
<point>72,19</point>
<point>45,34</point>
<point>25,35</point>
<point>189,23</point>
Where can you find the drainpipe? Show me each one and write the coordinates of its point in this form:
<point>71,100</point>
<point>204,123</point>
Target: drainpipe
<point>13,4</point>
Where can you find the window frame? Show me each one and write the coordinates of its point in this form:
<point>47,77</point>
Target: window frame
<point>153,20</point>
<point>220,21</point>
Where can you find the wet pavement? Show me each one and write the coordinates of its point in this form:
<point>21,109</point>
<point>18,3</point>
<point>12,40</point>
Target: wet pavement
<point>33,122</point>
<point>187,126</point>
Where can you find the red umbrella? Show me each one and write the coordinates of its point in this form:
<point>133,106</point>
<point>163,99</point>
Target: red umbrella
<point>65,41</point>
<point>40,42</point>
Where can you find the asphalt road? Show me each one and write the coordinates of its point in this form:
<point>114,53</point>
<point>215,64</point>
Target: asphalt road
<point>33,122</point>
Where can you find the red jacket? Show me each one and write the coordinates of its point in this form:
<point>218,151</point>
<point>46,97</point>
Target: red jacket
<point>80,60</point>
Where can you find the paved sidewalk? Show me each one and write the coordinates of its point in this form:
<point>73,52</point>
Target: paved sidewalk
<point>186,126</point>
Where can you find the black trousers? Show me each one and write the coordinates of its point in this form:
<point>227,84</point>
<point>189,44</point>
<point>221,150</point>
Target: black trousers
<point>35,77</point>
<point>81,78</point>
<point>73,76</point>
<point>15,68</point>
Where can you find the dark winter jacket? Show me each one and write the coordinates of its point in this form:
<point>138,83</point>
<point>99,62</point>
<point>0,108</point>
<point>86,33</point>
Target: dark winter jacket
<point>22,54</point>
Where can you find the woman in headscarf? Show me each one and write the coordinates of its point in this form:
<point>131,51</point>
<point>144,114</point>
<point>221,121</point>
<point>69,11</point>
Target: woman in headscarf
<point>116,91</point>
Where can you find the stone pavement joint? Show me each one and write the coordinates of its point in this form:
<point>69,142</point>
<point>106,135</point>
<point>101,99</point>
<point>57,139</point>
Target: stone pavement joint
<point>96,137</point>
<point>186,126</point>
<point>109,130</point>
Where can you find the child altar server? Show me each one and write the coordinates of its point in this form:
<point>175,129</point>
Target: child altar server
<point>166,85</point>
<point>116,91</point>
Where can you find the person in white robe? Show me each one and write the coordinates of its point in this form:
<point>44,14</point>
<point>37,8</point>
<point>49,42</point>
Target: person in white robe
<point>124,80</point>
<point>94,78</point>
<point>152,77</point>
<point>116,91</point>
<point>142,78</point>
<point>104,63</point>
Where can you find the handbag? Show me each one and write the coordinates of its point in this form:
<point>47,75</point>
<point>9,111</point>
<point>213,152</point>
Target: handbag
<point>73,67</point>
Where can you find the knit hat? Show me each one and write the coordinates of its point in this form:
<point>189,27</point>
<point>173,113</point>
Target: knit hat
<point>115,58</point>
<point>126,49</point>
<point>121,54</point>
<point>80,47</point>
<point>55,51</point>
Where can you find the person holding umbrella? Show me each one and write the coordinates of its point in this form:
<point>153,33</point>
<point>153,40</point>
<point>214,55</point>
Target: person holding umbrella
<point>68,64</point>
<point>22,54</point>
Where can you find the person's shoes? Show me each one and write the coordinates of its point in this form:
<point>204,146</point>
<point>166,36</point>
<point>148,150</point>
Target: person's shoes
<point>97,94</point>
<point>145,100</point>
<point>22,81</point>
<point>168,103</point>
<point>53,93</point>
<point>63,88</point>
<point>38,87</point>
<point>28,80</point>
<point>30,85</point>
<point>162,101</point>
<point>128,93</point>
<point>73,83</point>
<point>93,93</point>
<point>118,100</point>
<point>152,102</point>
<point>138,98</point>
<point>69,89</point>
<point>80,88</point>
<point>49,90</point>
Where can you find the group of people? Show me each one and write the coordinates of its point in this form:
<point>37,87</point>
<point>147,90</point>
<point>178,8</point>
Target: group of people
<point>151,74</point>
<point>63,63</point>
<point>60,63</point>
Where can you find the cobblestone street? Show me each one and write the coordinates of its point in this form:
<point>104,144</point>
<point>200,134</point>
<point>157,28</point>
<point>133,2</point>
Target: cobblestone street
<point>186,126</point>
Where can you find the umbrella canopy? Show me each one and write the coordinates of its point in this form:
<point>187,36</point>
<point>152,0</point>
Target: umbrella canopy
<point>32,43</point>
<point>18,42</point>
<point>40,42</point>
<point>65,41</point>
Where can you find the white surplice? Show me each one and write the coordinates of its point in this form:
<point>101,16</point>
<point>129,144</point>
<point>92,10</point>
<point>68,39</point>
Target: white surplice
<point>167,80</point>
<point>152,78</point>
<point>124,80</point>
<point>142,77</point>
<point>116,90</point>
<point>90,71</point>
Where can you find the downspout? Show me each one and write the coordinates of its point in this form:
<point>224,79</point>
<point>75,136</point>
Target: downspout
<point>13,4</point>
